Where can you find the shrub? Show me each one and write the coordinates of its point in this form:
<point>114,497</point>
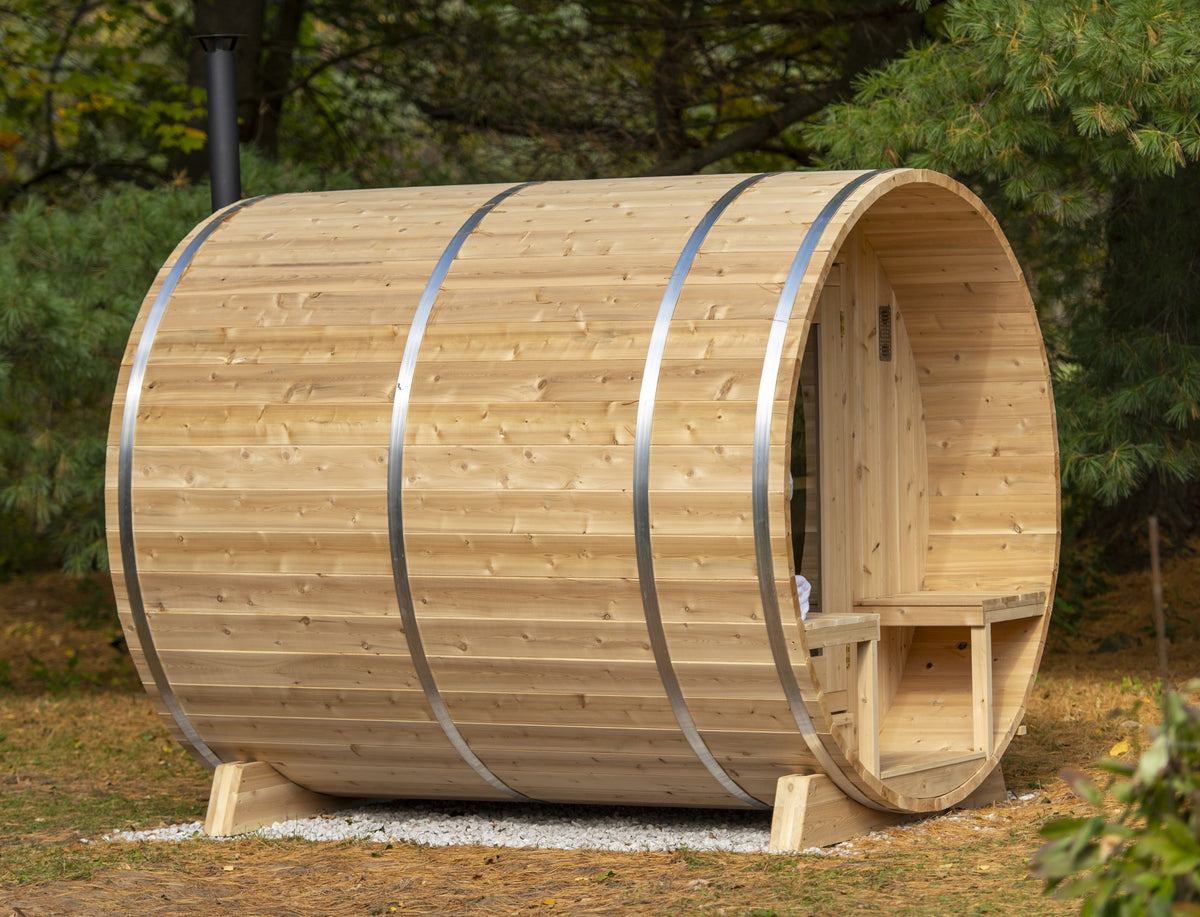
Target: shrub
<point>1146,860</point>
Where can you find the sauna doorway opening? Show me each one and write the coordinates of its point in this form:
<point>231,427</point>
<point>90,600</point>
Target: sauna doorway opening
<point>949,641</point>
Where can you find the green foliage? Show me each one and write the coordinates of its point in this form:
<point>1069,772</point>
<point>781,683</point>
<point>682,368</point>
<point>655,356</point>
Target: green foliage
<point>485,90</point>
<point>1130,408</point>
<point>1046,101</point>
<point>1146,860</point>
<point>1079,122</point>
<point>90,90</point>
<point>72,283</point>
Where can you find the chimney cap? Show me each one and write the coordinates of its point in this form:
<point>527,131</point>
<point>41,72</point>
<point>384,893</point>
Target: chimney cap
<point>221,42</point>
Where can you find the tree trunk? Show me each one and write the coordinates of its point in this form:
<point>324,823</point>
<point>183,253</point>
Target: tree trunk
<point>284,36</point>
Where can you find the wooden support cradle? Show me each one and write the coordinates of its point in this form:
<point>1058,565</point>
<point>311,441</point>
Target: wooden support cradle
<point>247,795</point>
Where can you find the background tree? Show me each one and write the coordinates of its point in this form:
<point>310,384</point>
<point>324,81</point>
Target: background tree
<point>89,94</point>
<point>541,88</point>
<point>97,92</point>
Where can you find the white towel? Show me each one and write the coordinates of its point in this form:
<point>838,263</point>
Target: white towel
<point>803,590</point>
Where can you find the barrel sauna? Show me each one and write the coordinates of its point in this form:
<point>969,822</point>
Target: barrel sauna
<point>501,492</point>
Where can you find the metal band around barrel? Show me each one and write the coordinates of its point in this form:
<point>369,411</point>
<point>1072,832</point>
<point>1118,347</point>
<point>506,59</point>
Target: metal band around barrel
<point>395,488</point>
<point>133,396</point>
<point>641,496</point>
<point>761,465</point>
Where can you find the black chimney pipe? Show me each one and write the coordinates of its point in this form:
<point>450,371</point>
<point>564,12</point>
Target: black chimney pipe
<point>224,168</point>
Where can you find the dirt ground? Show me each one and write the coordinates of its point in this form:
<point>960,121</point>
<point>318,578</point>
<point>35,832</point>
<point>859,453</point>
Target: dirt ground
<point>62,657</point>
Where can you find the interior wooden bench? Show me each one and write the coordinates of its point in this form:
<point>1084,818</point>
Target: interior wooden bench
<point>977,611</point>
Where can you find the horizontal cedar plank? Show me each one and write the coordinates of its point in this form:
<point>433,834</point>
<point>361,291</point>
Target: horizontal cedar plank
<point>299,593</point>
<point>918,296</point>
<point>581,744</point>
<point>252,383</point>
<point>989,554</point>
<point>997,367</point>
<point>330,670</point>
<point>475,423</point>
<point>558,381</point>
<point>620,239</point>
<point>924,201</point>
<point>210,424</point>
<point>305,467</point>
<point>992,439</point>
<point>991,581</point>
<point>991,476</point>
<point>1018,327</point>
<point>239,510</point>
<point>486,707</point>
<point>624,238</point>
<point>370,307</point>
<point>624,785</point>
<point>356,782</point>
<point>557,341</point>
<point>973,598</point>
<point>957,231</point>
<point>264,552</point>
<point>447,554</point>
<point>946,265</point>
<point>652,263</point>
<point>574,512</point>
<point>320,205</point>
<point>681,468</point>
<point>393,278</point>
<point>972,432</point>
<point>963,400</point>
<point>314,345</point>
<point>589,746</point>
<point>466,512</point>
<point>675,556</point>
<point>581,423</point>
<point>960,767</point>
<point>514,637</point>
<point>435,381</point>
<point>630,303</point>
<point>304,593</point>
<point>367,247</point>
<point>1029,514</point>
<point>351,779</point>
<point>550,467</point>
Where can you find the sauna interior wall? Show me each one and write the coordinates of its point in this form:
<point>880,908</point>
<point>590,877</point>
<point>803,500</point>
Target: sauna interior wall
<point>944,457</point>
<point>988,413</point>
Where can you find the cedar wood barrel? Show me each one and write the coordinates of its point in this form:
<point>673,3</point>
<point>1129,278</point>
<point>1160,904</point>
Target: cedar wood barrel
<point>494,492</point>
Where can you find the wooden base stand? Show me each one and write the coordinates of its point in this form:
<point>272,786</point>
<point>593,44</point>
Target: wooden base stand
<point>247,795</point>
<point>810,811</point>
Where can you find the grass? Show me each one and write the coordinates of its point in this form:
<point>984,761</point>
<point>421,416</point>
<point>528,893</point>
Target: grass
<point>82,754</point>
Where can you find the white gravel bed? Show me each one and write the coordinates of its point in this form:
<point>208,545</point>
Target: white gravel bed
<point>560,827</point>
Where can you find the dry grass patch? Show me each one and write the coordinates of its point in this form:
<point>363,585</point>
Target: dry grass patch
<point>82,754</point>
